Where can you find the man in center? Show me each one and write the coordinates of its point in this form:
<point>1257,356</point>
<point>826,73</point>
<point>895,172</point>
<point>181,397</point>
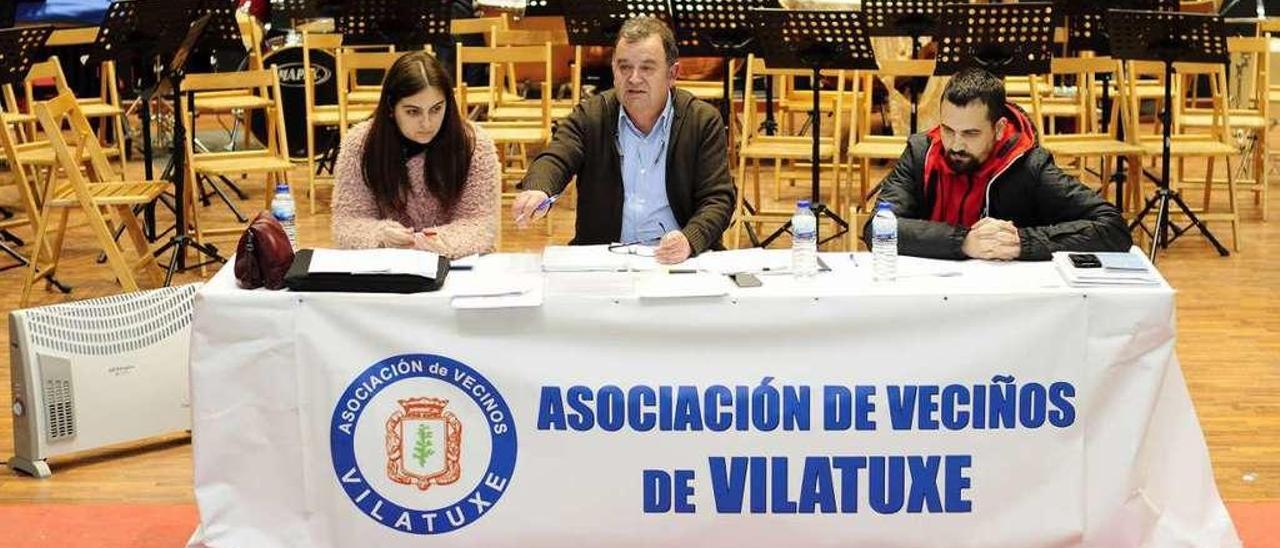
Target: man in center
<point>651,160</point>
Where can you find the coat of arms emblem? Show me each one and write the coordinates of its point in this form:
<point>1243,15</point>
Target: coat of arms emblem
<point>423,443</point>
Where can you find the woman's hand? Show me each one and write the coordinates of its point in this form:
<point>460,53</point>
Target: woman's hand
<point>394,235</point>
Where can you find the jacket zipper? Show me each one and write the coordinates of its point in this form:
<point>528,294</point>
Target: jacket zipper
<point>986,204</point>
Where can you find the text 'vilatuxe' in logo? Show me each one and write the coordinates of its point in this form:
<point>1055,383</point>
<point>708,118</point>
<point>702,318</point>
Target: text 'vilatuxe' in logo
<point>422,443</point>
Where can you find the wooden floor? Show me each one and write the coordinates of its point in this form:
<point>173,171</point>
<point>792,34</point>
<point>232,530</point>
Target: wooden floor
<point>1228,342</point>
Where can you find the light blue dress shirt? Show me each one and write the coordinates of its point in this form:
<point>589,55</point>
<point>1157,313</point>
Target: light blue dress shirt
<point>646,211</point>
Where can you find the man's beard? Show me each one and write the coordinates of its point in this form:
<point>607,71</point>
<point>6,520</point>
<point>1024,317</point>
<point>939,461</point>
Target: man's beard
<point>962,162</point>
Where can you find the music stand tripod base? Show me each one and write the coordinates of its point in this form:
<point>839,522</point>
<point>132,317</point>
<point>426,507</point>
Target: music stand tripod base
<point>1168,37</point>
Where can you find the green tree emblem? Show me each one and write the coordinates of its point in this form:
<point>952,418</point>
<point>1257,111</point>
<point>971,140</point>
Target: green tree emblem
<point>423,448</point>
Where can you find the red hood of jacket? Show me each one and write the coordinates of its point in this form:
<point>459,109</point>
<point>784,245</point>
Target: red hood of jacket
<point>959,198</point>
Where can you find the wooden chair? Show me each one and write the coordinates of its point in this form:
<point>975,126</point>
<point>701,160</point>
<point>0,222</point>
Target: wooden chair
<point>1211,145</point>
<point>504,106</point>
<point>31,162</point>
<point>105,105</point>
<point>853,238</point>
<point>12,125</point>
<point>240,100</point>
<point>325,115</point>
<point>272,160</point>
<point>1088,140</point>
<point>480,96</point>
<point>515,134</point>
<point>864,146</point>
<point>755,146</point>
<point>1251,116</point>
<point>354,105</point>
<point>706,90</point>
<point>93,192</point>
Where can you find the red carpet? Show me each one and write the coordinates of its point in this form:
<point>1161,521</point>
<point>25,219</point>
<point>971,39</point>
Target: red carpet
<point>96,525</point>
<point>170,525</point>
<point>1258,523</point>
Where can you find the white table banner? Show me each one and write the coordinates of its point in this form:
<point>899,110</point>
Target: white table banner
<point>1047,418</point>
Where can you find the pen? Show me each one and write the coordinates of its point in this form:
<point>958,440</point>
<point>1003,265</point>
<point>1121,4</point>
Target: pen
<point>546,204</point>
<point>682,271</point>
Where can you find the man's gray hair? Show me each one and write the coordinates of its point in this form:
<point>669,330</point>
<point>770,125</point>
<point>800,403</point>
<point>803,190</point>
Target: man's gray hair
<point>644,26</point>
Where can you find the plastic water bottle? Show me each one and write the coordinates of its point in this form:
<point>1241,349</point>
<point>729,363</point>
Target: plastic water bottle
<point>283,209</point>
<point>804,242</point>
<point>884,243</point>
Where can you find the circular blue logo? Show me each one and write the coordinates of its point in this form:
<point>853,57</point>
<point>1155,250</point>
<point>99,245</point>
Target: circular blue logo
<point>423,444</point>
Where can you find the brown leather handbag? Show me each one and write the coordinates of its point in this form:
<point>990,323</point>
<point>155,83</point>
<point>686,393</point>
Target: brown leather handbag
<point>263,255</point>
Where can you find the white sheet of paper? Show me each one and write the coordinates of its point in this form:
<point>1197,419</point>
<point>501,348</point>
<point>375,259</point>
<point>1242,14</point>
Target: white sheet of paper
<point>472,284</point>
<point>374,261</point>
<point>482,291</point>
<point>662,285</point>
<point>746,260</point>
<point>598,258</point>
<point>583,258</point>
<point>611,285</point>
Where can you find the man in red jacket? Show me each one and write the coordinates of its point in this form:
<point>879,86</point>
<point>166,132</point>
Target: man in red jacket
<point>979,186</point>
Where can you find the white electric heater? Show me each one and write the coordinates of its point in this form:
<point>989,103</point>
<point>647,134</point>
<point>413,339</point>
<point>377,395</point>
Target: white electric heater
<point>98,372</point>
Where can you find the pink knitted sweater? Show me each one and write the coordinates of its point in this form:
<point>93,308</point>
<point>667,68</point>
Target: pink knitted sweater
<point>471,227</point>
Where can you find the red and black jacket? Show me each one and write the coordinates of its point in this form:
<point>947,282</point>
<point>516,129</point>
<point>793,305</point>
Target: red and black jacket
<point>1019,182</point>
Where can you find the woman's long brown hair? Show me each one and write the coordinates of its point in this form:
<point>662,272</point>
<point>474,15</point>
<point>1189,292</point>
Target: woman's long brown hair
<point>448,155</point>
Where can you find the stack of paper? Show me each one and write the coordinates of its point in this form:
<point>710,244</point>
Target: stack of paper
<point>599,258</point>
<point>374,261</point>
<point>1117,269</point>
<point>474,290</point>
<point>746,260</point>
<point>585,258</point>
<point>662,285</point>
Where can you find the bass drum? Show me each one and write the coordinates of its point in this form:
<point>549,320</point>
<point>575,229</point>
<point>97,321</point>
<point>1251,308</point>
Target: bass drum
<point>293,98</point>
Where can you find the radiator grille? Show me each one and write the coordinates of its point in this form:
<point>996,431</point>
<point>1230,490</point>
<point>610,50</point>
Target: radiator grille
<point>59,403</point>
<point>112,325</point>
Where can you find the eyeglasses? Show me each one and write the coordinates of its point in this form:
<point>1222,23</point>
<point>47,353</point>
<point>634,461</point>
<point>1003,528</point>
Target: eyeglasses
<point>642,249</point>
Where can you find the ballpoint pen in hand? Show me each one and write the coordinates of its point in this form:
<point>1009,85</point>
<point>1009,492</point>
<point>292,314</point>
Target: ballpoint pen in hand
<point>546,204</point>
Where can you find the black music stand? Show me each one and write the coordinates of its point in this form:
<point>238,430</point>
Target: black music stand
<point>405,24</point>
<point>912,18</point>
<point>134,33</point>
<point>1003,39</point>
<point>717,28</point>
<point>1087,30</point>
<point>1168,38</point>
<point>597,22</point>
<point>544,8</point>
<point>221,34</point>
<point>815,40</point>
<point>19,48</point>
<point>171,82</point>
